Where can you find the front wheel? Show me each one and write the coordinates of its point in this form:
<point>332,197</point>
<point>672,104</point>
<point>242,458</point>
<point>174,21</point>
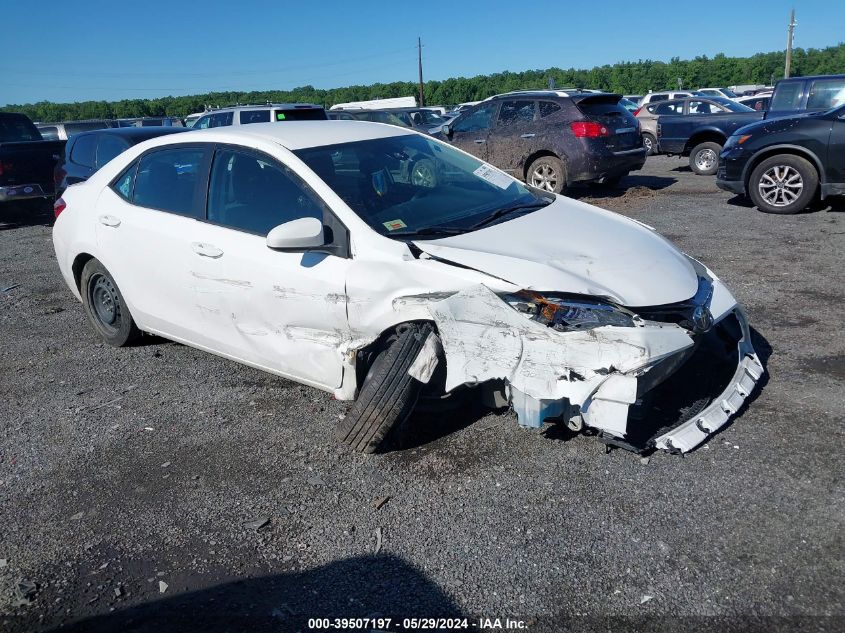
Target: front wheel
<point>104,304</point>
<point>783,184</point>
<point>547,172</point>
<point>388,394</point>
<point>704,158</point>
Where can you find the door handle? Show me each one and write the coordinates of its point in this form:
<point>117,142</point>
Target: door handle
<point>206,250</point>
<point>109,220</point>
<point>527,135</point>
<point>480,141</point>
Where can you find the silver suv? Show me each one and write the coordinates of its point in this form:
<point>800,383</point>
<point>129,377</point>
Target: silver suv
<point>243,115</point>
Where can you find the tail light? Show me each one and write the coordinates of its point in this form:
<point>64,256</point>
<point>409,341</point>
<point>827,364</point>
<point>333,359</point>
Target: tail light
<point>637,111</point>
<point>589,129</point>
<point>59,206</point>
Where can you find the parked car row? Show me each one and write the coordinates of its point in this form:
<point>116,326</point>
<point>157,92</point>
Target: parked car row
<point>783,155</point>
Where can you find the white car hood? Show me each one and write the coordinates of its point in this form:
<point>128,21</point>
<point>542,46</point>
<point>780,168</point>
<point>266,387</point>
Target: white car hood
<point>574,247</point>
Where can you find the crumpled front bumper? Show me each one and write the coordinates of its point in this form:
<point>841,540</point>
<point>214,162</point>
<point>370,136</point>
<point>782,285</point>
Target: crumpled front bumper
<point>692,432</point>
<point>598,378</point>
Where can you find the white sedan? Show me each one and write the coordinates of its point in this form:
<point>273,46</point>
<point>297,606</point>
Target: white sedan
<point>377,263</point>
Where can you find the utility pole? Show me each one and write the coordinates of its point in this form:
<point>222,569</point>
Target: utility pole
<point>422,92</point>
<point>790,30</point>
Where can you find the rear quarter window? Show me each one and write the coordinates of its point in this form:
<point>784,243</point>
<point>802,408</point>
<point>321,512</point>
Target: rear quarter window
<point>548,108</point>
<point>255,116</point>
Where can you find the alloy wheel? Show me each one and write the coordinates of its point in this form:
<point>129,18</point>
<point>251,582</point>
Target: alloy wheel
<point>780,185</point>
<point>544,177</point>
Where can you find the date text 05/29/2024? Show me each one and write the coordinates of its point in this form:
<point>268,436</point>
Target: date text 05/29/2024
<point>377,624</point>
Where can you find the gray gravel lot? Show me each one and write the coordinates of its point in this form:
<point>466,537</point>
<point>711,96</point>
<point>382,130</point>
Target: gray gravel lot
<point>124,469</point>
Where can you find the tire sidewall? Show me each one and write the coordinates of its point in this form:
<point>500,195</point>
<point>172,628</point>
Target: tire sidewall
<point>126,329</point>
<point>808,174</point>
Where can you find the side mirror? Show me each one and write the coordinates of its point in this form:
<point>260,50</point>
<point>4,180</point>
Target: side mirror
<point>447,130</point>
<point>297,235</point>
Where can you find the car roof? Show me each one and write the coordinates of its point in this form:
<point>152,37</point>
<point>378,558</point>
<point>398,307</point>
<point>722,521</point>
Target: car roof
<point>295,135</point>
<point>283,106</point>
<point>138,134</point>
<point>806,77</point>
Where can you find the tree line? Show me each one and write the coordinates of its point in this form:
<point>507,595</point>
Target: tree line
<point>625,77</point>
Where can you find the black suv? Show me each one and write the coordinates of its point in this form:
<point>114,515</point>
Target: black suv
<point>551,139</point>
<point>782,164</point>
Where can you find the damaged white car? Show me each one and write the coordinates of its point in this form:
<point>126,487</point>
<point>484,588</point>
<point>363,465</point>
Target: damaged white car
<point>377,263</point>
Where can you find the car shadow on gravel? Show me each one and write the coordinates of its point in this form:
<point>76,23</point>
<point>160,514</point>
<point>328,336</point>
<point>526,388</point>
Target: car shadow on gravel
<point>361,587</point>
<point>630,186</point>
<point>15,215</point>
<point>433,420</point>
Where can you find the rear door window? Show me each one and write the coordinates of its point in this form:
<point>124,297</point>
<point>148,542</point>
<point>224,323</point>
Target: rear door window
<point>82,152</point>
<point>787,96</point>
<point>516,113</point>
<point>167,180</point>
<point>825,94</point>
<point>255,116</point>
<point>252,193</point>
<point>109,146</point>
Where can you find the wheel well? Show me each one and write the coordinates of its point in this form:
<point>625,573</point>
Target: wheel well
<point>535,156</point>
<point>704,137</point>
<point>779,151</point>
<point>78,265</point>
<point>367,354</point>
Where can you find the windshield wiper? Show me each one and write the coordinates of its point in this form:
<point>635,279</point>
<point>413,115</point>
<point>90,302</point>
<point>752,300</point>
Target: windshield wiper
<point>507,211</point>
<point>430,230</point>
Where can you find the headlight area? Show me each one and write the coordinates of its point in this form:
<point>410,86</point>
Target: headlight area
<point>569,313</point>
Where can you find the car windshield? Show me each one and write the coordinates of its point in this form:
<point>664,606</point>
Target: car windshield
<point>414,186</point>
<point>381,117</point>
<point>733,106</point>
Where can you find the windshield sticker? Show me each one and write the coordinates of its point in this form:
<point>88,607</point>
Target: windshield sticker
<point>280,116</point>
<point>393,225</point>
<point>493,176</point>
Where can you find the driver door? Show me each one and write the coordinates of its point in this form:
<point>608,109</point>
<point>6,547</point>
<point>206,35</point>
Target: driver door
<point>470,131</point>
<point>282,311</point>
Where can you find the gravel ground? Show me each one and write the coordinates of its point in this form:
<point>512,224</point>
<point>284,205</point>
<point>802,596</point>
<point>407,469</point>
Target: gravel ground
<point>133,482</point>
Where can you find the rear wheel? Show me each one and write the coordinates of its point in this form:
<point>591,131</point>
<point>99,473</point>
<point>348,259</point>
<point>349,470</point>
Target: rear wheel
<point>650,143</point>
<point>783,184</point>
<point>104,304</point>
<point>388,394</point>
<point>704,158</point>
<point>547,172</point>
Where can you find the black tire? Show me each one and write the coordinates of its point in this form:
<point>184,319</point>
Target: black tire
<point>799,182</point>
<point>547,172</point>
<point>105,306</point>
<point>388,394</point>
<point>650,143</point>
<point>704,158</point>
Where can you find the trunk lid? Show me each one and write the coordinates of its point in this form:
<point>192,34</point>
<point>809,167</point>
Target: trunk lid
<point>606,110</point>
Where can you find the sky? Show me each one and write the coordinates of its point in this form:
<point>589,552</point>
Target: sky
<point>93,49</point>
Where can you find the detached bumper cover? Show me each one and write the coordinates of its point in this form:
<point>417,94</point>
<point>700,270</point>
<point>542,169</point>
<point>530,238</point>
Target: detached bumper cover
<point>688,434</point>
